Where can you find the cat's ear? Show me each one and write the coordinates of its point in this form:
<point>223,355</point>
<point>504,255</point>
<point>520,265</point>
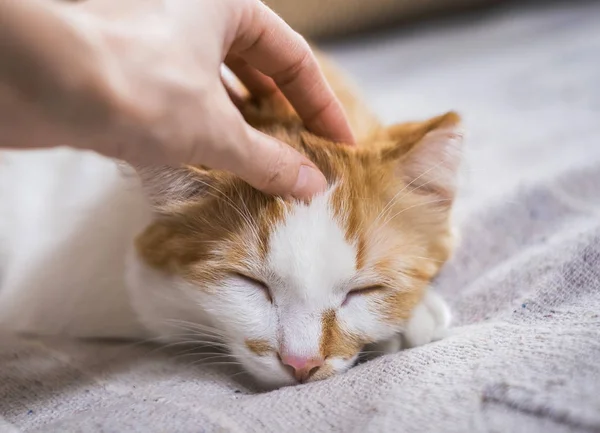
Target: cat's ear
<point>166,186</point>
<point>427,155</point>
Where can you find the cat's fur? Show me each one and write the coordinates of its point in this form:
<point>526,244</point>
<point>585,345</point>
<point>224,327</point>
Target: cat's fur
<point>267,277</point>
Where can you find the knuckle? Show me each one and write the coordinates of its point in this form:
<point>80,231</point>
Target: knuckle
<point>272,172</point>
<point>304,60</point>
<point>276,168</point>
<point>304,46</point>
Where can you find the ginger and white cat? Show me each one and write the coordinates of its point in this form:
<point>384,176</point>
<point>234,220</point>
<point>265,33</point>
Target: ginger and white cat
<point>294,290</point>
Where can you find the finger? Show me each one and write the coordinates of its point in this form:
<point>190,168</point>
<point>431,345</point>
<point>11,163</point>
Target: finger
<point>257,83</point>
<point>268,44</point>
<point>264,162</point>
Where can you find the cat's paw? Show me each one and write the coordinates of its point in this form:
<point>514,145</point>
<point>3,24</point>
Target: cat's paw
<point>430,321</point>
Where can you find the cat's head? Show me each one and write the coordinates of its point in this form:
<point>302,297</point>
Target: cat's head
<point>295,290</point>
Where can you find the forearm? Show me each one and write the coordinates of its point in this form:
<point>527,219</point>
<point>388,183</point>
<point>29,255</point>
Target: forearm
<point>49,78</point>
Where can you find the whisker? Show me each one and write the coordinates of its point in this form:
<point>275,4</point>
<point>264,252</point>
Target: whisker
<point>197,327</point>
<point>225,356</point>
<point>224,363</point>
<point>233,205</point>
<point>238,373</point>
<point>197,342</point>
<point>196,336</point>
<point>193,325</point>
<point>200,362</point>
<point>194,345</point>
<point>162,340</point>
<point>203,334</point>
<point>201,354</point>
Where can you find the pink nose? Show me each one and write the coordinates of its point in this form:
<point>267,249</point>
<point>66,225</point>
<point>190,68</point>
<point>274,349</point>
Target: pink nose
<point>302,367</point>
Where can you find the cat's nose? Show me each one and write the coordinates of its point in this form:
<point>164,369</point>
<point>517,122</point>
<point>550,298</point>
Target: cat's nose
<point>302,367</point>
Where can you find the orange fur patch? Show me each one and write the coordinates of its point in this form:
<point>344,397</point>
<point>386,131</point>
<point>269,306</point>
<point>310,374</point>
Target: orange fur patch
<point>259,347</point>
<point>323,372</point>
<point>334,341</point>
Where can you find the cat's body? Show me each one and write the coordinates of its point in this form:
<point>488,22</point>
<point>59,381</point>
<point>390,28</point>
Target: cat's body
<point>67,222</point>
<point>294,290</point>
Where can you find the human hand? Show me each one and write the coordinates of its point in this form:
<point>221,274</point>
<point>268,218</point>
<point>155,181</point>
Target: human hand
<point>161,63</point>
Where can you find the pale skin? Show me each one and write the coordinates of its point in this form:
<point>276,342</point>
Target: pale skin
<point>140,80</point>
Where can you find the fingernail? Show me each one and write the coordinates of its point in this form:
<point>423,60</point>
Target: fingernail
<point>310,181</point>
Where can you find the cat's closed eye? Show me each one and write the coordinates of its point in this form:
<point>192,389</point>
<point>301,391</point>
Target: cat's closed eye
<point>363,291</point>
<point>256,283</point>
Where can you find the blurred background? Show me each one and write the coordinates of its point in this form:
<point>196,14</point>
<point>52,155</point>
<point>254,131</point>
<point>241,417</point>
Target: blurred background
<point>335,18</point>
<point>525,76</point>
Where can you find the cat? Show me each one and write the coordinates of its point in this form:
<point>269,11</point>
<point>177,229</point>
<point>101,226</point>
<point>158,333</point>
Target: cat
<point>295,291</point>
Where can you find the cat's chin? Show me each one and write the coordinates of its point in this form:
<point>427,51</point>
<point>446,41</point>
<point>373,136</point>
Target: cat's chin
<point>267,373</point>
<point>266,381</point>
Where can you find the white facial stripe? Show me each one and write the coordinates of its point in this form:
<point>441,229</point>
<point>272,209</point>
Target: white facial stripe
<point>301,333</point>
<point>311,258</point>
<point>309,252</point>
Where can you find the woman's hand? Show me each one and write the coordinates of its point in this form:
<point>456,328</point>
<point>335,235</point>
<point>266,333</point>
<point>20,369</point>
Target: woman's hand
<point>153,90</point>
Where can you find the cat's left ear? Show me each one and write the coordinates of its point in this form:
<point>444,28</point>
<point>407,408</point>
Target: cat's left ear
<point>427,155</point>
<point>166,186</point>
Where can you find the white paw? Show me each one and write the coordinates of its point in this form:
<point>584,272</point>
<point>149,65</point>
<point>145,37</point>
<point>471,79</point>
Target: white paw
<point>430,321</point>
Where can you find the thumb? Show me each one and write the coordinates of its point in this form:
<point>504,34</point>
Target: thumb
<point>276,168</point>
<point>266,163</point>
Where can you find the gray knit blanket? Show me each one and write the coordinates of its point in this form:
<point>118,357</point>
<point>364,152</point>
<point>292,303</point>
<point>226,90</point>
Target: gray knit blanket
<point>524,284</point>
